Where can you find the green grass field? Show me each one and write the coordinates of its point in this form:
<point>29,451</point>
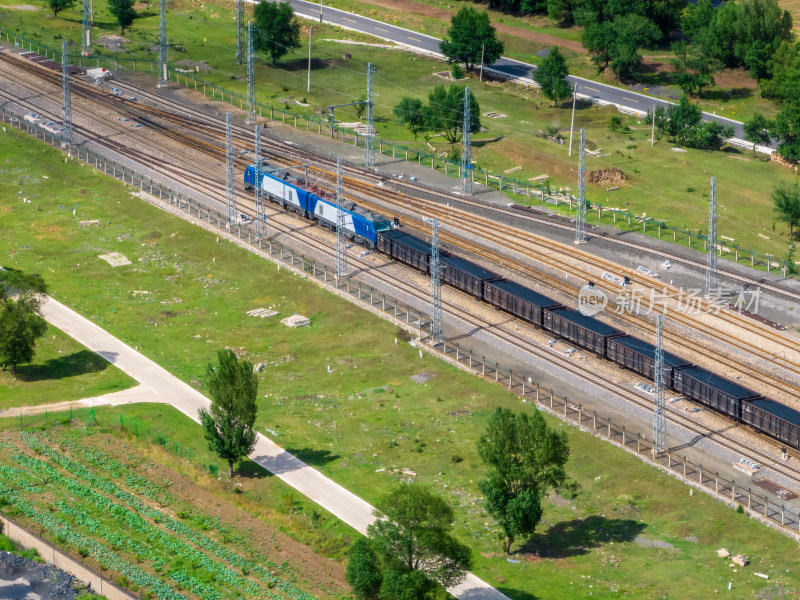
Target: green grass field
<point>62,370</point>
<point>744,183</point>
<point>365,423</point>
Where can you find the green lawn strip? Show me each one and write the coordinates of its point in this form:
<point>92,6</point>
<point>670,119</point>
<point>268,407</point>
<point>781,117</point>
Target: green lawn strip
<point>744,183</point>
<point>194,550</point>
<point>62,370</point>
<point>330,419</point>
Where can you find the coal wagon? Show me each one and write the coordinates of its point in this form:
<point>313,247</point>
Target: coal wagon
<point>518,300</point>
<point>640,357</point>
<point>774,419</point>
<point>584,331</point>
<point>712,390</point>
<point>406,249</point>
<point>465,275</point>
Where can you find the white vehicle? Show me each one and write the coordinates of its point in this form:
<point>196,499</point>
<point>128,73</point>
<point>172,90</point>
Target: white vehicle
<point>32,117</point>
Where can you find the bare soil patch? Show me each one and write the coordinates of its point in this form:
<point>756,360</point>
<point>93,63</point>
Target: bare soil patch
<point>443,14</point>
<point>25,7</point>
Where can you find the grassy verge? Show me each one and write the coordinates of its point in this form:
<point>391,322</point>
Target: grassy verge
<point>207,32</point>
<point>368,424</point>
<point>62,370</point>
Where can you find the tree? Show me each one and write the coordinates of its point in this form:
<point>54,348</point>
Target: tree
<point>21,322</point>
<point>278,33</point>
<point>524,458</point>
<point>360,105</point>
<point>787,130</point>
<point>363,570</point>
<point>756,130</point>
<point>551,76</point>
<point>599,39</point>
<point>411,114</point>
<point>58,5</point>
<point>695,64</point>
<point>123,11</point>
<point>632,32</point>
<point>471,34</point>
<point>414,533</point>
<point>697,17</point>
<point>228,426</point>
<point>786,204</point>
<point>761,27</point>
<point>445,112</point>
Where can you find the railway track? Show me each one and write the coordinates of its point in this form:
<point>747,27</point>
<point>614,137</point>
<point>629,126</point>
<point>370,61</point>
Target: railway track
<point>501,332</point>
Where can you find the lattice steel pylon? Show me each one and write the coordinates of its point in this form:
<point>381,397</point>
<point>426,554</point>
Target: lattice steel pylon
<point>239,32</point>
<point>369,147</point>
<point>260,225</point>
<point>436,285</point>
<point>163,47</point>
<point>659,409</point>
<point>230,181</point>
<point>341,239</point>
<point>712,275</point>
<point>580,218</point>
<point>86,29</point>
<point>251,76</point>
<point>466,148</point>
<point>66,106</point>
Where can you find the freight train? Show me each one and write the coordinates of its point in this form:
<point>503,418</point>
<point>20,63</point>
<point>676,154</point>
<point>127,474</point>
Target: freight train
<point>376,231</point>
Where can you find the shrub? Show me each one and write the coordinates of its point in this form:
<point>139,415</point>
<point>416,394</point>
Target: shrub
<point>456,72</point>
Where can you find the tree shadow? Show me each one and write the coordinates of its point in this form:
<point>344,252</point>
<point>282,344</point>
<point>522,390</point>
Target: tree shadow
<point>578,537</point>
<point>77,363</point>
<point>301,64</point>
<point>512,593</point>
<point>246,468</point>
<point>313,457</point>
<point>739,93</point>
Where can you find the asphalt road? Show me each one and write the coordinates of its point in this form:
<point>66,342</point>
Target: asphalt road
<point>161,386</point>
<point>514,69</point>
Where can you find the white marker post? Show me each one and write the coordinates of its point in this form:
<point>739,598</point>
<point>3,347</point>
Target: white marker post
<point>572,124</point>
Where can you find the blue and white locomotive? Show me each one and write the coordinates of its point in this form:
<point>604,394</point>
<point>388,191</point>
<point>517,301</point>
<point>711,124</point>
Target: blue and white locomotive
<point>316,204</point>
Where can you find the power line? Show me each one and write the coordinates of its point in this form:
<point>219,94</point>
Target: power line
<point>659,408</point>
<point>239,32</point>
<point>436,285</point>
<point>369,148</point>
<point>66,107</point>
<point>251,76</point>
<point>580,218</point>
<point>341,240</point>
<point>86,29</point>
<point>230,182</point>
<point>712,275</point>
<point>466,149</point>
<point>260,225</point>
<point>163,47</point>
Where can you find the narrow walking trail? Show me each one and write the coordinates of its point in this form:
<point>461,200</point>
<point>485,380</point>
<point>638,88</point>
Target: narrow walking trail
<point>158,385</point>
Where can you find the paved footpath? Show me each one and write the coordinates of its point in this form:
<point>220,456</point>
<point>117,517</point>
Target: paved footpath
<point>158,385</point>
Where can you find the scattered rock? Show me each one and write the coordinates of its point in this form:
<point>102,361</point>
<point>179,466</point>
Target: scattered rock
<point>723,553</point>
<point>741,560</point>
<point>258,368</point>
<point>113,42</point>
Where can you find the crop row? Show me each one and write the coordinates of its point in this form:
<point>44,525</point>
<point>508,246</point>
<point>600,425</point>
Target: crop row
<point>152,533</point>
<point>157,516</point>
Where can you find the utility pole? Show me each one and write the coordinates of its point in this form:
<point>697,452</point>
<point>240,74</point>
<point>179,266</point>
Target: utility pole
<point>230,183</point>
<point>369,150</point>
<point>653,135</point>
<point>572,124</point>
<point>163,47</point>
<point>66,108</point>
<point>580,219</point>
<point>308,88</point>
<point>466,149</point>
<point>260,225</point>
<point>483,49</point>
<point>712,275</point>
<point>239,32</point>
<point>436,285</point>
<point>341,240</point>
<point>659,408</point>
<point>86,37</point>
<point>251,76</point>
